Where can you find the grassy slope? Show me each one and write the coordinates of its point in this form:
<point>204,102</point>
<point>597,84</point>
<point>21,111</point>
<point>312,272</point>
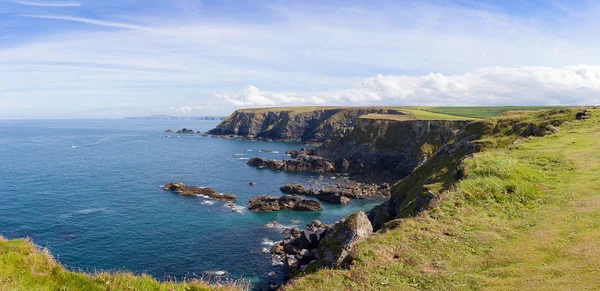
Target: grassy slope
<point>25,267</point>
<point>481,111</point>
<point>526,217</point>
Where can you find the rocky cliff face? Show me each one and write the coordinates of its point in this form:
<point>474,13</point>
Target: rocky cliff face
<point>294,124</point>
<point>387,146</point>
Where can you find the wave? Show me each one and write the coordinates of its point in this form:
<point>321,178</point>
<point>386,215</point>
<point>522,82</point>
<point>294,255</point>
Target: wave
<point>84,212</point>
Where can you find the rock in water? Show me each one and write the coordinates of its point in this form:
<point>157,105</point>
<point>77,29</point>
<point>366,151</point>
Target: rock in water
<point>272,203</point>
<point>264,203</point>
<point>185,131</point>
<point>336,248</point>
<point>195,190</point>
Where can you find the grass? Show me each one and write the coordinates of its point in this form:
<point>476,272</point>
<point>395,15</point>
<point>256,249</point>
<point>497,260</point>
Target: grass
<point>481,111</point>
<point>525,216</point>
<point>24,266</point>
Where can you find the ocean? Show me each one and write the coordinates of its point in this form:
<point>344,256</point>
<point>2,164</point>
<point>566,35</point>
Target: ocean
<point>90,191</point>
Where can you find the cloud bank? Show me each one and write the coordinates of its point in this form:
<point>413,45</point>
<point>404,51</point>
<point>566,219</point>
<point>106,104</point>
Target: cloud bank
<point>574,85</point>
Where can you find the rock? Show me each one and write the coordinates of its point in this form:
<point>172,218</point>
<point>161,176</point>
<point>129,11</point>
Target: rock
<point>272,203</point>
<point>581,115</point>
<point>336,248</point>
<point>177,187</point>
<point>303,164</point>
<point>195,190</point>
<point>551,128</point>
<point>295,232</point>
<point>315,224</point>
<point>273,286</point>
<point>290,266</point>
<point>277,248</point>
<point>379,215</point>
<point>334,198</point>
<point>185,131</point>
<point>265,151</point>
<point>308,240</point>
<point>251,183</point>
<point>272,224</point>
<point>340,193</point>
<point>264,203</point>
<point>168,130</point>
<point>291,249</point>
<point>308,205</point>
<point>205,135</point>
<point>301,152</point>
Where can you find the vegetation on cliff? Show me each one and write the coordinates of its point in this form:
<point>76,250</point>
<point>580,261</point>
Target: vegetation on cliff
<point>24,266</point>
<point>521,213</point>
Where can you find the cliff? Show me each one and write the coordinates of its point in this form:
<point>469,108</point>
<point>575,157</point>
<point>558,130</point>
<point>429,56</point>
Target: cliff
<point>309,124</point>
<point>389,147</point>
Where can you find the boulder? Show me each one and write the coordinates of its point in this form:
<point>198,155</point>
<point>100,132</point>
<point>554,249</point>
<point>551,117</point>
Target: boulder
<point>335,198</point>
<point>316,224</point>
<point>308,205</point>
<point>168,130</point>
<point>277,248</point>
<point>335,250</point>
<point>264,203</point>
<point>303,164</point>
<point>272,203</point>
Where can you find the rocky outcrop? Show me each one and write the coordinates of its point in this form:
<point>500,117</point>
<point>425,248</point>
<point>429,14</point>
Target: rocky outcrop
<point>335,250</point>
<point>303,164</point>
<point>268,203</point>
<point>388,148</point>
<point>185,131</point>
<point>318,124</point>
<point>198,191</point>
<point>168,130</point>
<point>321,245</point>
<point>340,193</point>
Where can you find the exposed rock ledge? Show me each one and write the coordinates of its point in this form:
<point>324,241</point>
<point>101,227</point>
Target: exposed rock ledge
<point>302,164</point>
<point>340,193</point>
<point>321,245</point>
<point>195,191</point>
<point>272,203</point>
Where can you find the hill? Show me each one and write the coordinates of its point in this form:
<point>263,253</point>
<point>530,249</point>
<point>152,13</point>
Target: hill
<point>519,214</point>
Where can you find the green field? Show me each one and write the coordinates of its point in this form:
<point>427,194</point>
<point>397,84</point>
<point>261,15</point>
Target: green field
<point>25,267</point>
<point>482,111</point>
<point>525,216</point>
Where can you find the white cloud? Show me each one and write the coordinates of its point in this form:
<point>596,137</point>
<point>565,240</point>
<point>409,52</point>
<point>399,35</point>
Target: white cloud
<point>251,96</point>
<point>575,85</point>
<point>188,109</point>
<point>95,22</point>
<point>46,4</point>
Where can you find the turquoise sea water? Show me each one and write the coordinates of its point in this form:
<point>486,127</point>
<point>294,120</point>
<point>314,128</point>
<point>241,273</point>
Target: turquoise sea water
<point>99,206</point>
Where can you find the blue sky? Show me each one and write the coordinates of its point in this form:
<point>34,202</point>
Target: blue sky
<point>110,59</point>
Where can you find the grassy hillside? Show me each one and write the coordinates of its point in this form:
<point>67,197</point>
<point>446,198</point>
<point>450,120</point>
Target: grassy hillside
<point>524,216</point>
<point>25,267</point>
<point>481,111</point>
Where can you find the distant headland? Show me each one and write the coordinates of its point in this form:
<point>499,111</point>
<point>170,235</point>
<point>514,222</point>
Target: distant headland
<point>168,117</point>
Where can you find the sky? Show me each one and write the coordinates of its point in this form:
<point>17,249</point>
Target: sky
<point>118,58</point>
